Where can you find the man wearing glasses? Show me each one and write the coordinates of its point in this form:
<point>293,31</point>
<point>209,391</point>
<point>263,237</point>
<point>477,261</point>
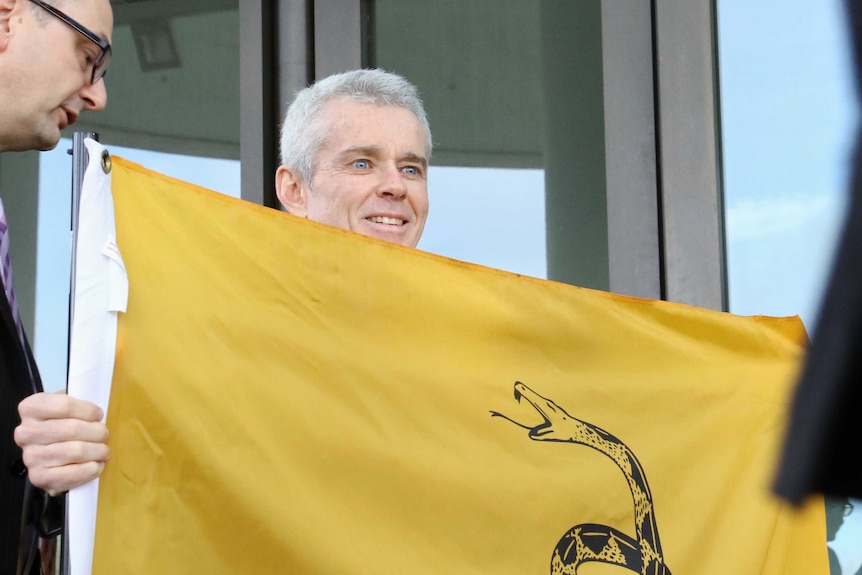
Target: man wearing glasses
<point>53,56</point>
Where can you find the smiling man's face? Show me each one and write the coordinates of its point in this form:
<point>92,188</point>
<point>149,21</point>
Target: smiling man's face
<point>369,177</point>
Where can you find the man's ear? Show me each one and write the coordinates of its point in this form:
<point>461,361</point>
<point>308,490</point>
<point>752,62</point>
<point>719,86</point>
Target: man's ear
<point>7,11</point>
<point>290,190</point>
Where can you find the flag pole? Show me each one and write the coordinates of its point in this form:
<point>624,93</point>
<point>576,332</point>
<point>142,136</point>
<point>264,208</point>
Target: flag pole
<point>80,158</point>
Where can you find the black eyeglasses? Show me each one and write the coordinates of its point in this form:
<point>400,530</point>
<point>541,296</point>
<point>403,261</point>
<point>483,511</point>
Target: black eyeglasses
<point>100,65</point>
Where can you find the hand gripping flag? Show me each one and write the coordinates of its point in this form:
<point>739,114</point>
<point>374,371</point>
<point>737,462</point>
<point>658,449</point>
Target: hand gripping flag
<point>293,398</point>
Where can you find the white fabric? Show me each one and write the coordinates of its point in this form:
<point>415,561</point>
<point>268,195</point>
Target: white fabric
<point>101,290</point>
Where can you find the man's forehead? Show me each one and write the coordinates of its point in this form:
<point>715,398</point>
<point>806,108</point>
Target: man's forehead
<point>345,115</point>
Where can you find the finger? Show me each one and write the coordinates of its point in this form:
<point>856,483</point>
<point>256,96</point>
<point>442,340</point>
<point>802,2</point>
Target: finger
<point>44,432</point>
<point>56,480</point>
<point>41,406</point>
<point>61,454</point>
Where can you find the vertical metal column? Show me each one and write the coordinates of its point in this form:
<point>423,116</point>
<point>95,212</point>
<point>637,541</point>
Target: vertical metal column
<point>258,101</point>
<point>276,60</point>
<point>634,246</point>
<point>337,36</point>
<point>576,211</point>
<point>692,202</point>
<point>295,38</point>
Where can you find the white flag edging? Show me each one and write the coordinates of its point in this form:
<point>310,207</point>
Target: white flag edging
<point>101,291</point>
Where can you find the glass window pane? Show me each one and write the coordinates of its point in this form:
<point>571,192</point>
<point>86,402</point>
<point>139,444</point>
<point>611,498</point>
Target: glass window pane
<point>491,216</point>
<point>787,120</point>
<point>510,86</point>
<point>483,97</point>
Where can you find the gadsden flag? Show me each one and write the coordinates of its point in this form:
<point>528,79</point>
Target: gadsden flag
<point>292,398</point>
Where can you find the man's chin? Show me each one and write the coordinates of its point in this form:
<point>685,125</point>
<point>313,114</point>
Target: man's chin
<point>40,145</point>
<point>50,141</point>
<point>48,147</point>
<point>44,140</point>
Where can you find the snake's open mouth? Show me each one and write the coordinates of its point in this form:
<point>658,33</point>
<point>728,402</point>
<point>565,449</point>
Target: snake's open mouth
<point>539,403</point>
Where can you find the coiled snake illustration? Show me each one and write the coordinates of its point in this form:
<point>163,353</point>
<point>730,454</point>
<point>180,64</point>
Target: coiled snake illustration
<point>587,542</point>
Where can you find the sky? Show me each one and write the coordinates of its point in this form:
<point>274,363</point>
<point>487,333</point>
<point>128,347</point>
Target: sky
<point>788,117</point>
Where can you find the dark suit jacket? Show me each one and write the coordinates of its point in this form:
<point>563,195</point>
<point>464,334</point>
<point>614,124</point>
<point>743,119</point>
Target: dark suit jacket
<point>822,450</point>
<point>15,384</point>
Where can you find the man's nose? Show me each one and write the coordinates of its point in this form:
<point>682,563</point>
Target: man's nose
<point>95,96</point>
<point>392,184</point>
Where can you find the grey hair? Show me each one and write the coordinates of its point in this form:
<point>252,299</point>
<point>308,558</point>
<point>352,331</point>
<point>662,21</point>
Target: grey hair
<point>42,16</point>
<point>302,133</point>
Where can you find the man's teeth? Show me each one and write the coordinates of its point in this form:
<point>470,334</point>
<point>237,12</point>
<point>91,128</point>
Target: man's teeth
<point>386,220</point>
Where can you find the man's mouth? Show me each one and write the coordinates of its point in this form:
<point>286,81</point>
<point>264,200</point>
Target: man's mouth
<point>69,118</point>
<point>388,220</point>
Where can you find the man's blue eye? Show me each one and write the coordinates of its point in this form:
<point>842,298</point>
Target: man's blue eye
<point>360,164</point>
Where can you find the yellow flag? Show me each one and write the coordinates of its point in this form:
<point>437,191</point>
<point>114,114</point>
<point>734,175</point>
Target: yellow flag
<point>293,398</point>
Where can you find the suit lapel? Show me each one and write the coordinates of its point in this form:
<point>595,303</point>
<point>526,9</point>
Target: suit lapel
<point>24,354</point>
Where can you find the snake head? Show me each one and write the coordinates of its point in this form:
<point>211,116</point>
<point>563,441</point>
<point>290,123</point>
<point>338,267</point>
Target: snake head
<point>553,416</point>
<point>555,420</point>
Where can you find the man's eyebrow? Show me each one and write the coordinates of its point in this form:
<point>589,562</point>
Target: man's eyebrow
<point>361,151</point>
<point>411,157</point>
<point>376,151</point>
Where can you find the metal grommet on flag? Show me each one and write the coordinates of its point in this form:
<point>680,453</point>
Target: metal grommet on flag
<point>106,161</point>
